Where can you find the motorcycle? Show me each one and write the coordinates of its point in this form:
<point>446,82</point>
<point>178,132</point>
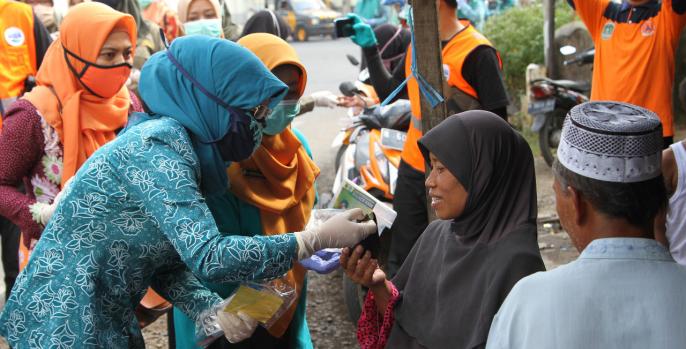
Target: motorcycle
<point>369,147</point>
<point>551,100</point>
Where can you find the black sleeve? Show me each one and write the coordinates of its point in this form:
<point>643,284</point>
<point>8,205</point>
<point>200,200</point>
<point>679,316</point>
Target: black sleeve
<point>481,70</point>
<point>384,82</point>
<point>43,40</point>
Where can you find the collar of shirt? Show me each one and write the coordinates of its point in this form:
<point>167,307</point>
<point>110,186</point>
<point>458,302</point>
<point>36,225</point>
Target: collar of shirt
<point>648,5</point>
<point>626,248</point>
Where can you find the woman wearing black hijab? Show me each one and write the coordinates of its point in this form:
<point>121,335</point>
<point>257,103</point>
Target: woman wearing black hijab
<point>266,21</point>
<point>483,189</point>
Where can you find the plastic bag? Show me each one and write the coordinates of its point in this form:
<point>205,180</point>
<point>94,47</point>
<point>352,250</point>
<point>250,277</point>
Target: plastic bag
<point>265,302</point>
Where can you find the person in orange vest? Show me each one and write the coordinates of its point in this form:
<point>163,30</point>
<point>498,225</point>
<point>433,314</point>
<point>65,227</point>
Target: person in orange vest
<point>472,71</point>
<point>23,44</point>
<point>635,43</point>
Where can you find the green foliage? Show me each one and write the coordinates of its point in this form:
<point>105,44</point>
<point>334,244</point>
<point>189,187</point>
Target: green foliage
<point>518,35</point>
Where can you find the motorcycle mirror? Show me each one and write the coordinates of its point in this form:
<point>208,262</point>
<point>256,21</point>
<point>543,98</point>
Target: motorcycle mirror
<point>352,60</point>
<point>348,89</point>
<point>567,50</point>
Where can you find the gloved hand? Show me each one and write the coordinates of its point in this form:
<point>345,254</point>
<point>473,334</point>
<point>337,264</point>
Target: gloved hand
<point>341,230</point>
<point>42,212</point>
<point>236,327</point>
<point>325,99</point>
<point>364,34</point>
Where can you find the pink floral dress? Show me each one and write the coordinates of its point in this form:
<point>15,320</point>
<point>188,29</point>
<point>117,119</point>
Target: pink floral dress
<point>31,154</point>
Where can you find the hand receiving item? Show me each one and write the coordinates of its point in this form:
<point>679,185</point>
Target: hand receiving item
<point>236,327</point>
<point>341,230</point>
<point>364,34</point>
<point>325,99</point>
<point>361,268</point>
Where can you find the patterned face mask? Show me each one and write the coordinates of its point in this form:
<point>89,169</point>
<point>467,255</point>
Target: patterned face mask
<point>243,138</point>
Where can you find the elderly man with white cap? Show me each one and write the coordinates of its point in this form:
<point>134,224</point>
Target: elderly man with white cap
<point>625,290</point>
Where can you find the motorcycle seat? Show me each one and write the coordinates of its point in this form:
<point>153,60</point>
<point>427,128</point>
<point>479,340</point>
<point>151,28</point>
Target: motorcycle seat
<point>578,86</point>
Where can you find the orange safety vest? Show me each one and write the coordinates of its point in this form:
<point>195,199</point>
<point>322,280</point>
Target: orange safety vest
<point>454,55</point>
<point>18,47</point>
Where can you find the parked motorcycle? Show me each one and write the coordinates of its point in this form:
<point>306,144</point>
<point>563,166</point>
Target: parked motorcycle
<point>551,100</point>
<point>369,146</point>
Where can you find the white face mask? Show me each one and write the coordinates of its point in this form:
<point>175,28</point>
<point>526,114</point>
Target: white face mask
<point>208,27</point>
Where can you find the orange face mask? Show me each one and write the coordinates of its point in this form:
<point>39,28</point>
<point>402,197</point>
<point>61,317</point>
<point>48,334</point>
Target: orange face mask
<point>102,81</point>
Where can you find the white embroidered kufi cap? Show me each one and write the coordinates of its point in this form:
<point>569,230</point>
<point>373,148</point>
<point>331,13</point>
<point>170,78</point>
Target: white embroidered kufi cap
<point>612,141</point>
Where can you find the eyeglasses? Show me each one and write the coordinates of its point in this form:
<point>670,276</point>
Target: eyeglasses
<point>260,112</point>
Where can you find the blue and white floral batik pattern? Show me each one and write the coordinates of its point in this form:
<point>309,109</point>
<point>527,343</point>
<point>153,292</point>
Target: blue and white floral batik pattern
<point>133,218</point>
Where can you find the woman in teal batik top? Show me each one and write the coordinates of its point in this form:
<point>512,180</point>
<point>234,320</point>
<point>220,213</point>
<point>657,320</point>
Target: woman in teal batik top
<point>135,214</point>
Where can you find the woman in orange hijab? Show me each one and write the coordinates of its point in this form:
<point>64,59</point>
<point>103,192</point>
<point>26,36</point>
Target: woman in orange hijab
<point>79,105</point>
<point>271,193</point>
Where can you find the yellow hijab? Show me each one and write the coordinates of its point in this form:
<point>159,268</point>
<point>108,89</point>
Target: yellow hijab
<point>284,191</point>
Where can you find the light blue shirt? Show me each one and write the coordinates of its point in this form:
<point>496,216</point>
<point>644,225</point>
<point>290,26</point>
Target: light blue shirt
<point>620,293</point>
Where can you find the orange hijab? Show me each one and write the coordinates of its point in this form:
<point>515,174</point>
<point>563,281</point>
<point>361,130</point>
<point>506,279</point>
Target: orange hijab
<point>279,177</point>
<point>83,121</point>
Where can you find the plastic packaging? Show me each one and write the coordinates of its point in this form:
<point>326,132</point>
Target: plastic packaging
<point>264,302</point>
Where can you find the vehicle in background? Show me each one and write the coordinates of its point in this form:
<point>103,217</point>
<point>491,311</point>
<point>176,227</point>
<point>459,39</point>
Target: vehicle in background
<point>307,18</point>
<point>551,100</point>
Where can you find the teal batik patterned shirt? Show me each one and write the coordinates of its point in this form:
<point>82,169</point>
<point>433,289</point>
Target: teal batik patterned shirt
<point>133,217</point>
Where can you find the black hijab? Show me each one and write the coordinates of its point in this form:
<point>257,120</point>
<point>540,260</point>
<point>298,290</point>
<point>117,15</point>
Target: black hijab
<point>392,43</point>
<point>266,21</point>
<point>460,271</point>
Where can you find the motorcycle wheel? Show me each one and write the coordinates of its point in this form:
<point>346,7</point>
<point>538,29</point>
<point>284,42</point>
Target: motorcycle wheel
<point>550,134</point>
<point>354,296</point>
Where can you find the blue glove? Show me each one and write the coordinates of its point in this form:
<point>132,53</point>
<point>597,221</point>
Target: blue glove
<point>364,34</point>
<point>323,262</point>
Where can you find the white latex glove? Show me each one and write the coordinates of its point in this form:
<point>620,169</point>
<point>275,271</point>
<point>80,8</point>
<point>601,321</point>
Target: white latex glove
<point>236,327</point>
<point>325,99</point>
<point>341,230</point>
<point>44,211</point>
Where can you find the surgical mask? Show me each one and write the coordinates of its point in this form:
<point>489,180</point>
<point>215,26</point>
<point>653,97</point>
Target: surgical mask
<point>208,27</point>
<point>144,3</point>
<point>281,117</point>
<point>102,81</point>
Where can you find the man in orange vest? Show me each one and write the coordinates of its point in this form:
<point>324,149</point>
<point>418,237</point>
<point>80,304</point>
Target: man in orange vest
<point>635,47</point>
<point>23,42</point>
<point>472,71</point>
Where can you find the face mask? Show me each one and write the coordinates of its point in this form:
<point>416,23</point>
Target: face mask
<point>245,133</point>
<point>102,81</point>
<point>144,3</point>
<point>242,140</point>
<point>281,117</point>
<point>208,27</point>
